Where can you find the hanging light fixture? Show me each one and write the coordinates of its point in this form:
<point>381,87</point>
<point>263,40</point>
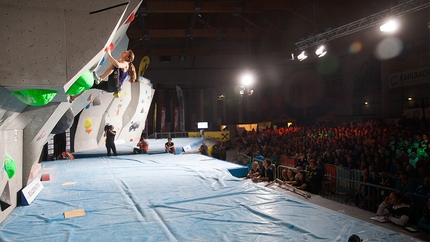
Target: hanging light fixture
<point>389,26</point>
<point>321,51</point>
<point>302,56</point>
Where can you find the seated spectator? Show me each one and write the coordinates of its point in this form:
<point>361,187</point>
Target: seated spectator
<point>170,146</point>
<point>216,150</point>
<point>424,222</point>
<point>66,156</point>
<point>413,159</point>
<point>142,146</point>
<point>203,148</point>
<point>255,170</point>
<point>288,176</point>
<point>303,183</point>
<point>268,173</point>
<point>395,208</point>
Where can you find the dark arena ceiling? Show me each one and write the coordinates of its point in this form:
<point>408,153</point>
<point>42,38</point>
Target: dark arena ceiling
<point>219,27</point>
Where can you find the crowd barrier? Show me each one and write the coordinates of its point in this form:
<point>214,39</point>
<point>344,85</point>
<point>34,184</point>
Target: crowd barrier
<point>244,159</point>
<point>287,161</point>
<point>343,185</point>
<point>165,135</point>
<point>369,196</point>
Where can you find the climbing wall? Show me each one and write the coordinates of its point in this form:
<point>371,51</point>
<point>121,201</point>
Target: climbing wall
<point>134,118</point>
<point>47,46</point>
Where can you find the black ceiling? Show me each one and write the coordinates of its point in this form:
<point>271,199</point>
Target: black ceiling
<point>216,27</point>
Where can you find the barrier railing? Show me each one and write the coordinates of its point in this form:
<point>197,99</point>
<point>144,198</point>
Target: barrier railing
<point>287,161</point>
<point>344,186</point>
<point>165,135</point>
<point>243,159</point>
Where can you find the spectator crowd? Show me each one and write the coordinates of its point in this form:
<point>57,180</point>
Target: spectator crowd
<point>389,154</point>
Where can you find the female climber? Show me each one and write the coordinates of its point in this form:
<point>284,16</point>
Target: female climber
<point>117,72</point>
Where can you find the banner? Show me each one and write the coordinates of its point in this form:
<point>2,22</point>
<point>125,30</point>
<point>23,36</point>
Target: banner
<point>163,119</point>
<point>413,113</point>
<point>181,109</point>
<point>176,118</point>
<point>409,78</point>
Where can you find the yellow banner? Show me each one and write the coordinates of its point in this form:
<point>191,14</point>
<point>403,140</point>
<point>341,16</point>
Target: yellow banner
<point>193,134</point>
<point>222,136</point>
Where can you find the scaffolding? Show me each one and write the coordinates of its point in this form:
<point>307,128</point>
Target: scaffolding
<point>364,23</point>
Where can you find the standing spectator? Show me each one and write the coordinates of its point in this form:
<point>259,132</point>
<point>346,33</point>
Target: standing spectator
<point>363,196</point>
<point>302,160</point>
<point>423,190</point>
<point>404,184</point>
<point>110,140</point>
<point>316,176</point>
<point>424,222</point>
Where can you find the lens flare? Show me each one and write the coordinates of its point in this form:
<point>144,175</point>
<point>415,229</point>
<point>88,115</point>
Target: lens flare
<point>389,48</point>
<point>355,47</point>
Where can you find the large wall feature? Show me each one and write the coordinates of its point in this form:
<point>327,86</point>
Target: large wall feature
<point>47,46</point>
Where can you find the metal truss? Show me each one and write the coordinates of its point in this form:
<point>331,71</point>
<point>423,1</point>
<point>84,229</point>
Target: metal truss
<point>364,23</point>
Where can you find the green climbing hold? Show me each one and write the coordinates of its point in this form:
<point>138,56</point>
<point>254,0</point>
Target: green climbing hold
<point>84,82</point>
<point>9,166</point>
<point>35,97</point>
<point>75,89</point>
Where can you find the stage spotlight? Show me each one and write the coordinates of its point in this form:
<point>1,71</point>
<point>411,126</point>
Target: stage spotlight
<point>409,99</point>
<point>246,79</point>
<point>321,51</point>
<point>250,92</point>
<point>389,26</point>
<point>302,56</point>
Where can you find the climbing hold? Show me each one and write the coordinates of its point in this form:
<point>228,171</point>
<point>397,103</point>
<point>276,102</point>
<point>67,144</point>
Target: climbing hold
<point>9,166</point>
<point>130,19</point>
<point>35,97</point>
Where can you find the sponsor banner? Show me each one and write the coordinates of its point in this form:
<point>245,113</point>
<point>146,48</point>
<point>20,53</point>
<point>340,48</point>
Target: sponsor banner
<point>176,118</point>
<point>222,136</point>
<point>409,78</point>
<point>193,134</point>
<point>181,109</point>
<point>30,192</point>
<point>163,119</point>
<point>413,113</point>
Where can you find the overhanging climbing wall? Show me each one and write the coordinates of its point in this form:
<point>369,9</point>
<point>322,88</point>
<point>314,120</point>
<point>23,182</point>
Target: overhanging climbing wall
<point>47,46</point>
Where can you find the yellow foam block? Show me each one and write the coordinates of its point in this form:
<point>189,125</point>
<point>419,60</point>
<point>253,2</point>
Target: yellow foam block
<point>74,213</point>
<point>68,184</point>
